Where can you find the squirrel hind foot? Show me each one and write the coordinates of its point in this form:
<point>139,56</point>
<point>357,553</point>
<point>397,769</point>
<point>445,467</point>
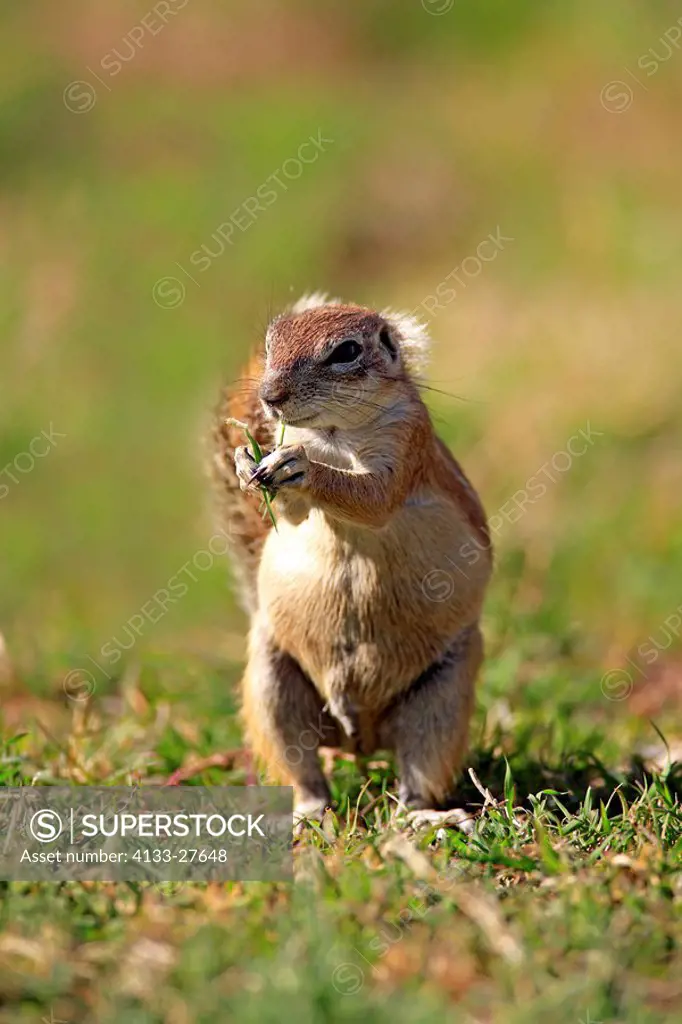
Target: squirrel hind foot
<point>308,810</point>
<point>456,817</point>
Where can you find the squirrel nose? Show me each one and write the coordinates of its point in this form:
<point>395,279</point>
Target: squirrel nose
<point>274,393</point>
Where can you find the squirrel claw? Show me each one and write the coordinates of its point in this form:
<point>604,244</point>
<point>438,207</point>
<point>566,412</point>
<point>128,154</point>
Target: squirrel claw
<point>282,468</point>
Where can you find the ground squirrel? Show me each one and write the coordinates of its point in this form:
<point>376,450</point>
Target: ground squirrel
<point>364,601</point>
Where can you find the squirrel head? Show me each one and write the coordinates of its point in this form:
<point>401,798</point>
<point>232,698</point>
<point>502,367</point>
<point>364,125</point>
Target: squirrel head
<point>330,364</point>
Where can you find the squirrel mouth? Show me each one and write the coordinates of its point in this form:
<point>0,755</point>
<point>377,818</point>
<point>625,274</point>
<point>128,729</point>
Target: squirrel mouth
<point>299,422</point>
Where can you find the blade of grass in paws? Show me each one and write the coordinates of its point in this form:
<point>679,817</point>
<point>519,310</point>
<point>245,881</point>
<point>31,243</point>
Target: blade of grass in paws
<point>258,457</point>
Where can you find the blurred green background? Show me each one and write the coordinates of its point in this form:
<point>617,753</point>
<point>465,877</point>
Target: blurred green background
<point>448,122</point>
<point>129,133</point>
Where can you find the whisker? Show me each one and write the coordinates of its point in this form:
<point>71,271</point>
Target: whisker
<point>368,404</point>
<point>242,383</point>
<point>364,402</point>
<point>448,394</point>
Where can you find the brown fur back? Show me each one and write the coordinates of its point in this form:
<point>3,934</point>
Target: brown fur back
<point>239,513</point>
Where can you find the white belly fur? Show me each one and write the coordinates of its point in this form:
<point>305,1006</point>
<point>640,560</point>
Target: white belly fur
<point>364,611</point>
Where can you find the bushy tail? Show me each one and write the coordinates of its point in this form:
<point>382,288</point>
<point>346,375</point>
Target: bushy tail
<point>239,513</point>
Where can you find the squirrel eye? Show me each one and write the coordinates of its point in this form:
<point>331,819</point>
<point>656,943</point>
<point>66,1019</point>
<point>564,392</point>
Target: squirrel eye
<point>347,352</point>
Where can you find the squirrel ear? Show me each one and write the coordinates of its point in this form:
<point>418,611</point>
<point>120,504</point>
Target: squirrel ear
<point>412,337</point>
<point>386,340</point>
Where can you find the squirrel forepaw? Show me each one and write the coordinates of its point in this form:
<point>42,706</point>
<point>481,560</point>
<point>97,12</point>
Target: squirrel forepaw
<point>245,466</point>
<point>285,467</point>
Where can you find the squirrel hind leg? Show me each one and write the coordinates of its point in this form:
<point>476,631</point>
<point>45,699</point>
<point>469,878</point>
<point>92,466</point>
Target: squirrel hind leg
<point>285,723</point>
<point>428,727</point>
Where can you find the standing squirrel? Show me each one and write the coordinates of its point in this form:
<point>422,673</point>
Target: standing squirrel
<point>364,610</point>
